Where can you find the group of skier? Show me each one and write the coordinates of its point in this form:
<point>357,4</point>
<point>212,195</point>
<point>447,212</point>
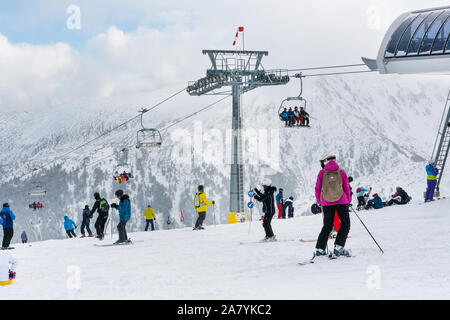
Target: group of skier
<point>36,206</point>
<point>122,177</point>
<point>296,117</point>
<point>102,207</point>
<point>284,205</point>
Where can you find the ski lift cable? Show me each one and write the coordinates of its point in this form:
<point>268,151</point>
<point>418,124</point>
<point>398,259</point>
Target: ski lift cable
<point>103,134</point>
<point>162,129</point>
<point>125,147</point>
<point>337,73</point>
<point>329,67</point>
<point>195,113</point>
<point>120,125</point>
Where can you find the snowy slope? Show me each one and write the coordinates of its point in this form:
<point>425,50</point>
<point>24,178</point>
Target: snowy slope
<point>211,264</point>
<point>381,127</point>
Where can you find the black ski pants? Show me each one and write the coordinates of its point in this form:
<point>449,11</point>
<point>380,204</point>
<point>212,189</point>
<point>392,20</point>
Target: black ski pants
<point>100,223</point>
<point>361,201</point>
<point>328,219</point>
<point>200,219</point>
<point>267,224</point>
<point>71,233</point>
<point>149,221</point>
<point>121,227</point>
<point>7,236</point>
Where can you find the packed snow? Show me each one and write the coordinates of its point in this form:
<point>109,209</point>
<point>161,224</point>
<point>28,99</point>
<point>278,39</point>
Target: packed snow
<point>213,264</point>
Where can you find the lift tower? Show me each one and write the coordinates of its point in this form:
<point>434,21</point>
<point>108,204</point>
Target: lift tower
<point>442,144</point>
<point>242,71</point>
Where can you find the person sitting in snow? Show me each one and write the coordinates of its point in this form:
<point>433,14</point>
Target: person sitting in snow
<point>400,197</point>
<point>360,195</point>
<point>375,203</point>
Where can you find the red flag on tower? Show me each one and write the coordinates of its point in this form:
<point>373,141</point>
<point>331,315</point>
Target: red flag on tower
<point>240,29</point>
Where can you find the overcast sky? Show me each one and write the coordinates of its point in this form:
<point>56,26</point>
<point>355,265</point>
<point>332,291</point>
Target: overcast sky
<point>120,47</point>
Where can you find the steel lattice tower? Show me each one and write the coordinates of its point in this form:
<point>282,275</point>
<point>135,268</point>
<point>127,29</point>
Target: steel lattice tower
<point>242,71</point>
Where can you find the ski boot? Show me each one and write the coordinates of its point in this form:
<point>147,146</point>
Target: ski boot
<point>90,236</point>
<point>266,238</point>
<point>340,251</point>
<point>200,228</point>
<point>83,236</point>
<point>320,252</point>
<point>272,238</point>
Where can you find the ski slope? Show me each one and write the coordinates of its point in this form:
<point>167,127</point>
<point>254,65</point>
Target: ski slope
<point>212,264</point>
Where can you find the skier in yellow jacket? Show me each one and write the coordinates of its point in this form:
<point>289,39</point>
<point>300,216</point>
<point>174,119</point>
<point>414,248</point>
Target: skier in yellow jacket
<point>149,215</point>
<point>201,205</point>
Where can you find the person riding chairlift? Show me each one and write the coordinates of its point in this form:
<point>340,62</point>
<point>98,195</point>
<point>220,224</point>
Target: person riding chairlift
<point>304,117</point>
<point>285,117</point>
<point>291,117</point>
<point>297,116</point>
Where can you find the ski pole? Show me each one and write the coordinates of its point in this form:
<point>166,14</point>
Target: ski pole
<point>368,230</point>
<point>214,214</point>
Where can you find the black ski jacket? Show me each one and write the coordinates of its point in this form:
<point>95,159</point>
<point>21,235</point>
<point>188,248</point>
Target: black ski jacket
<point>267,198</point>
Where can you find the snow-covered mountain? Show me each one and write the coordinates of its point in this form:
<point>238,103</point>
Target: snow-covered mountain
<point>382,129</point>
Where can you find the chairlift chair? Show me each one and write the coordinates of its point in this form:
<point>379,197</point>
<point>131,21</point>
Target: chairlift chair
<point>38,192</point>
<point>122,172</point>
<point>147,137</point>
<point>301,101</point>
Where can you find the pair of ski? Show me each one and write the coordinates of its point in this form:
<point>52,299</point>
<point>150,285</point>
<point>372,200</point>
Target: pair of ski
<point>436,199</point>
<point>330,256</point>
<point>129,242</point>
<point>302,240</point>
<point>261,241</point>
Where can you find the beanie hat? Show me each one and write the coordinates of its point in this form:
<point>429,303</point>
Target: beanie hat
<point>119,193</point>
<point>267,182</point>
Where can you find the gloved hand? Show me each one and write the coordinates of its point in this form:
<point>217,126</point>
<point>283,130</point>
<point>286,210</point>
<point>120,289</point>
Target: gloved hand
<point>213,202</point>
<point>114,205</point>
<point>12,275</point>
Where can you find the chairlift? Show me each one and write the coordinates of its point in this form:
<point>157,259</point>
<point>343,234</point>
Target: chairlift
<point>300,103</point>
<point>122,171</point>
<point>36,195</point>
<point>147,137</point>
<point>38,190</point>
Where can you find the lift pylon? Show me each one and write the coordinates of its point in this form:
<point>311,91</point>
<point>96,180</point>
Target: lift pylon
<point>242,71</point>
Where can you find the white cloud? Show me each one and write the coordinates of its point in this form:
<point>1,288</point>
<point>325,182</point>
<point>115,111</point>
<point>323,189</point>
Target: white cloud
<point>115,62</point>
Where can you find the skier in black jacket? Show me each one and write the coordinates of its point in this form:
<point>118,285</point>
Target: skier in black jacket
<point>267,198</point>
<point>102,216</point>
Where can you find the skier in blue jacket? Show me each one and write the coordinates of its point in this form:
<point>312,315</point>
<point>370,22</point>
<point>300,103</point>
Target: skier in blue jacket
<point>6,220</point>
<point>69,225</point>
<point>432,173</point>
<point>124,209</point>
